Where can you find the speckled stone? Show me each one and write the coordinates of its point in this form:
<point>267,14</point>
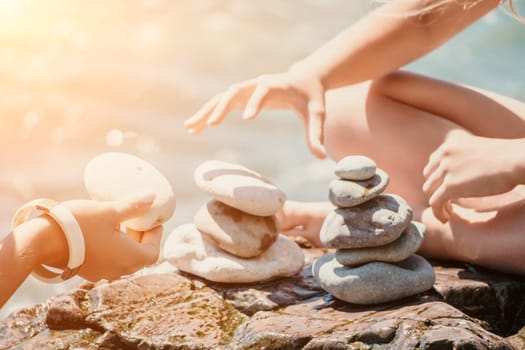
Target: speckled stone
<point>346,193</point>
<point>400,249</point>
<point>114,175</point>
<point>186,249</point>
<point>239,187</point>
<point>355,168</point>
<point>239,233</point>
<point>375,282</point>
<point>376,222</point>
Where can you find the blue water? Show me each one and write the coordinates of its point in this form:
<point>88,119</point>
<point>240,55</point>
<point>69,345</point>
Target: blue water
<point>74,70</point>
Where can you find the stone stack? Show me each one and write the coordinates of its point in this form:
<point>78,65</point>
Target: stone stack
<point>235,236</point>
<point>374,238</point>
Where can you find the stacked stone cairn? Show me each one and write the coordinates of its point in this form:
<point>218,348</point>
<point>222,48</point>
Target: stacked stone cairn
<point>374,238</point>
<point>235,236</point>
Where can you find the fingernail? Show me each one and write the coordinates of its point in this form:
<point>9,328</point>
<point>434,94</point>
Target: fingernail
<point>248,114</point>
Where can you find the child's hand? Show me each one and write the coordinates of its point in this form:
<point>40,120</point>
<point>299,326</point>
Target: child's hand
<point>467,166</point>
<point>304,219</point>
<point>111,253</point>
<point>294,90</point>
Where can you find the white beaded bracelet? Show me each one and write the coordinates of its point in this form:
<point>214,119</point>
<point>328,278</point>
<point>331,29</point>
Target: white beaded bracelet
<point>71,229</point>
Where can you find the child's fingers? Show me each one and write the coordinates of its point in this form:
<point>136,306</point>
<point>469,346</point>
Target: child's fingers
<point>198,120</point>
<point>255,103</point>
<point>316,115</point>
<point>133,206</point>
<point>136,235</point>
<point>150,244</point>
<point>225,104</point>
<point>438,203</point>
<point>433,162</point>
<point>433,181</point>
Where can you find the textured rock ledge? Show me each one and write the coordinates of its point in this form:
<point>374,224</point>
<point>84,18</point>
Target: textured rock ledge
<point>467,309</point>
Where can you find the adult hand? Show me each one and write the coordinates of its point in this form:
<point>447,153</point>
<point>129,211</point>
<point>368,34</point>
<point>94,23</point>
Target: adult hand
<point>470,166</point>
<point>111,253</point>
<point>304,219</point>
<point>294,89</point>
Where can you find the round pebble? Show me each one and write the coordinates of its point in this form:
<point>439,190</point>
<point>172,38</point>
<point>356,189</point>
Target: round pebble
<point>379,221</point>
<point>375,282</point>
<point>114,176</point>
<point>239,187</point>
<point>239,233</point>
<point>355,168</point>
<point>346,193</point>
<point>400,249</point>
<point>186,249</point>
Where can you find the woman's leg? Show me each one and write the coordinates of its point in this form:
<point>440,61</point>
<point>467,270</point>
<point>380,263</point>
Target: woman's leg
<point>399,121</point>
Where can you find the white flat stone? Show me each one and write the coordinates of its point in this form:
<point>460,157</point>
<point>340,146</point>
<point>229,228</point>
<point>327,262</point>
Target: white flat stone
<point>114,176</point>
<point>239,233</point>
<point>375,282</point>
<point>186,249</point>
<point>239,187</point>
<point>400,249</point>
<point>347,193</point>
<point>355,168</point>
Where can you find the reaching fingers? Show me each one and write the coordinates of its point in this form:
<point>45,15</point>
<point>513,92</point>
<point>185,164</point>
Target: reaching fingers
<point>134,206</point>
<point>226,103</point>
<point>439,202</point>
<point>316,116</point>
<point>198,121</point>
<point>150,244</point>
<point>136,235</point>
<point>433,161</point>
<point>255,103</point>
<point>433,181</point>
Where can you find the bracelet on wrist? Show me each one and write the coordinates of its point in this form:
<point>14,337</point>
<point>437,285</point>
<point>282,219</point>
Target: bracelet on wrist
<point>71,229</point>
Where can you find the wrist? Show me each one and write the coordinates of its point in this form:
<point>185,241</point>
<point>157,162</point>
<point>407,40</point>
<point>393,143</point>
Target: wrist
<point>42,242</point>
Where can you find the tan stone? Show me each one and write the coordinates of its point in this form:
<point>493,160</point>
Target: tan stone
<point>239,187</point>
<point>113,176</point>
<point>239,233</point>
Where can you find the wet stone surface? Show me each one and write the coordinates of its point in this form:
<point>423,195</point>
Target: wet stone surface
<point>466,309</point>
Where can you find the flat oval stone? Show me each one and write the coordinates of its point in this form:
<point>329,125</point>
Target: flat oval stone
<point>239,187</point>
<point>355,168</point>
<point>239,233</point>
<point>114,175</point>
<point>400,249</point>
<point>376,222</point>
<point>375,282</point>
<point>186,249</point>
<point>346,193</point>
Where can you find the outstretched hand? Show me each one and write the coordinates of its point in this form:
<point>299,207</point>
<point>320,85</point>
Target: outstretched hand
<point>467,166</point>
<point>111,253</point>
<point>304,219</point>
<point>294,89</point>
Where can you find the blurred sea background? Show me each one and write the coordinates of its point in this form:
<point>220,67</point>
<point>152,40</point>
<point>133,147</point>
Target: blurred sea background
<point>82,77</point>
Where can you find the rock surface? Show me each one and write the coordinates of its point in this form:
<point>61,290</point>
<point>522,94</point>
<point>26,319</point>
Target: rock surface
<point>379,221</point>
<point>165,311</point>
<point>407,244</point>
<point>114,175</point>
<point>375,282</point>
<point>239,187</point>
<point>355,168</point>
<point>186,249</point>
<point>345,193</point>
<point>239,233</point>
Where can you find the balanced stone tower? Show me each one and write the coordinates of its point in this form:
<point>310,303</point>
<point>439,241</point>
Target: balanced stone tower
<point>235,236</point>
<point>374,238</point>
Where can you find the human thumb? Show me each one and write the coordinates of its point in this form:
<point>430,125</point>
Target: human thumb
<point>135,205</point>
